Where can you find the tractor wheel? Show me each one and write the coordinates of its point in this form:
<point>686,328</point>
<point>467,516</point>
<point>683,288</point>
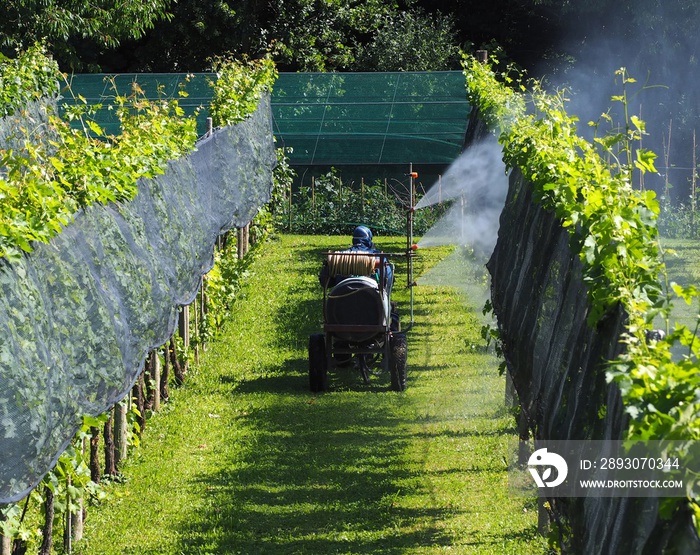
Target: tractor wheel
<point>318,371</point>
<point>397,362</point>
<point>395,320</point>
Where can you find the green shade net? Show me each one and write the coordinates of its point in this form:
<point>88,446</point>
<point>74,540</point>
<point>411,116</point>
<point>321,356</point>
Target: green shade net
<point>326,119</point>
<point>371,118</point>
<point>79,315</point>
<point>192,91</point>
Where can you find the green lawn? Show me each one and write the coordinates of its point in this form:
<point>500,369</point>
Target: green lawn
<point>244,459</point>
<point>683,268</point>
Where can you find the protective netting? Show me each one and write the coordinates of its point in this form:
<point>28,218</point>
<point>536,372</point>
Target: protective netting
<point>371,118</point>
<point>13,129</point>
<point>79,315</point>
<point>557,364</point>
<point>326,118</point>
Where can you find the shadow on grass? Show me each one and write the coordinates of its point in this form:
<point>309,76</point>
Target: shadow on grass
<point>313,475</point>
<point>499,540</point>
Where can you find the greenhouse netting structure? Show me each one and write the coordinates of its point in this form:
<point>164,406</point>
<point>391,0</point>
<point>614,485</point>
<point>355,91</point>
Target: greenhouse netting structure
<point>367,125</point>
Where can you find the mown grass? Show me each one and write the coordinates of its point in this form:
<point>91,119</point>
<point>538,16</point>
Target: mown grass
<point>245,460</point>
<point>683,267</point>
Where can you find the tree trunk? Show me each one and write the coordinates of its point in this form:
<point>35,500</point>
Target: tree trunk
<point>110,463</point>
<point>48,523</point>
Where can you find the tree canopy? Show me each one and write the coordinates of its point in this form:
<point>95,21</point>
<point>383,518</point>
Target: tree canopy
<point>60,22</point>
<point>341,35</point>
<point>301,35</point>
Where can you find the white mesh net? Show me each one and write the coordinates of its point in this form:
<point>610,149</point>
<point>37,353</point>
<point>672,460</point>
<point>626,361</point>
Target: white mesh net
<point>79,315</point>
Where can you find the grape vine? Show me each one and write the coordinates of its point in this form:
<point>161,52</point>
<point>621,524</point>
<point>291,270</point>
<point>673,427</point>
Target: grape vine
<point>613,230</point>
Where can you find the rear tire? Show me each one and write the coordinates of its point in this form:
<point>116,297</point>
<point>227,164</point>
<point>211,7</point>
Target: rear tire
<point>398,347</point>
<point>318,367</point>
<point>395,320</point>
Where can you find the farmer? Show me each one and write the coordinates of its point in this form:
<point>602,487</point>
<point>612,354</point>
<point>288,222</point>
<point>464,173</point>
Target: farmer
<point>361,242</point>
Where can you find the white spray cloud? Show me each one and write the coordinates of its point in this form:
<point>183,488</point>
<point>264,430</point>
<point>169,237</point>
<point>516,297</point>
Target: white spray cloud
<point>477,184</point>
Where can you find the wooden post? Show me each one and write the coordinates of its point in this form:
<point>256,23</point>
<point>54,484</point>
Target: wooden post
<point>196,328</point>
<point>79,521</point>
<point>290,207</point>
<point>165,377</point>
<point>313,192</point>
<point>243,239</point>
<point>156,380</point>
<point>6,543</point>
<point>178,369</point>
<point>68,530</point>
<point>152,382</point>
<point>110,452</point>
<point>184,327</point>
<point>203,310</point>
<point>139,398</point>
<point>95,472</point>
<point>239,241</point>
<point>120,432</point>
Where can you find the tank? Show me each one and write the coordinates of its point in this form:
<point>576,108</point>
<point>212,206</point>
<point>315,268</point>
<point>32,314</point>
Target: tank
<point>357,301</point>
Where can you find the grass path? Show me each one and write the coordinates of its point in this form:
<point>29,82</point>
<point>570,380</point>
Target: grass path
<point>244,460</point>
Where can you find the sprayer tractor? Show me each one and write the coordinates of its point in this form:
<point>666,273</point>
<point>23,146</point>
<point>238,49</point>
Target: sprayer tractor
<point>360,323</point>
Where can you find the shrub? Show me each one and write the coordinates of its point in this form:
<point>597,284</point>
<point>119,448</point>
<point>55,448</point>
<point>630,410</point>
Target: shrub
<point>333,207</point>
